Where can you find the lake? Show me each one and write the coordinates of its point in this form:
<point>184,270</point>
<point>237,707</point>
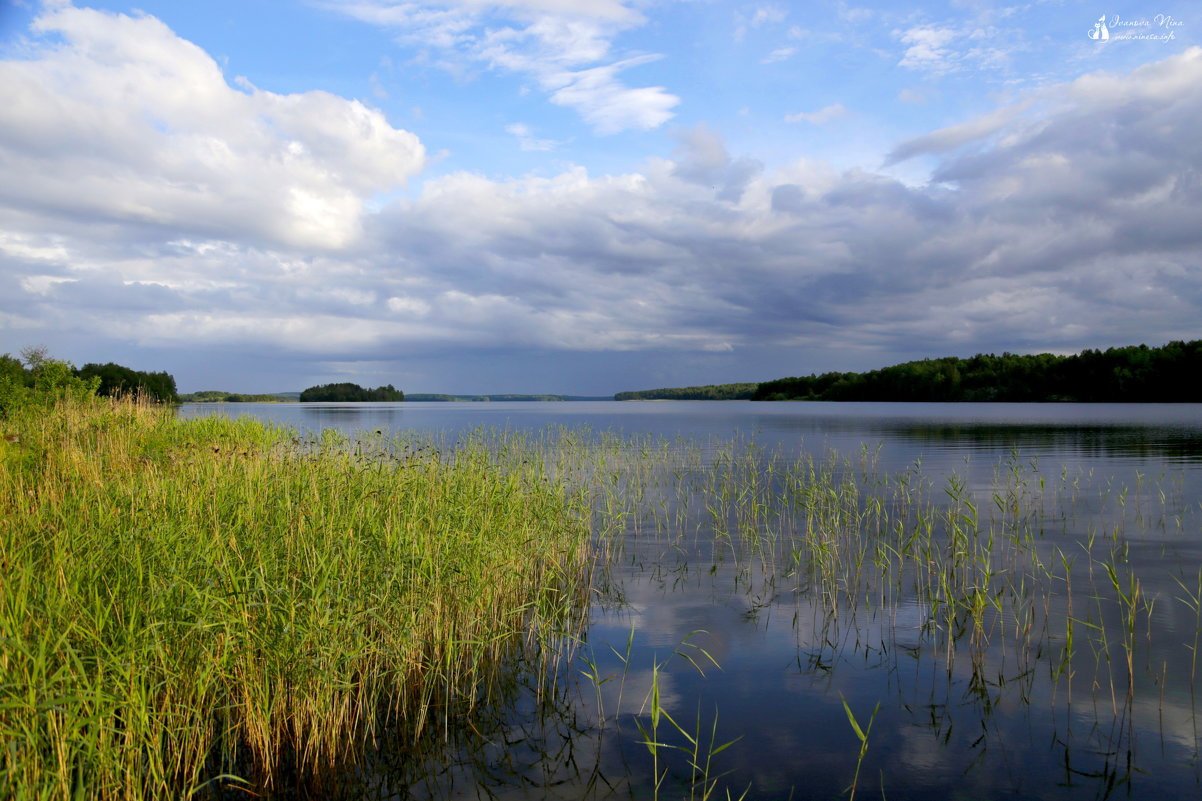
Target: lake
<point>819,600</point>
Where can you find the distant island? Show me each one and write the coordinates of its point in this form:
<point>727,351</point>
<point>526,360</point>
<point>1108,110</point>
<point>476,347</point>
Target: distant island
<point>708,392</point>
<point>344,392</point>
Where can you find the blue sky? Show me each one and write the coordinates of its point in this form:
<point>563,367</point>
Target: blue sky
<point>588,196</point>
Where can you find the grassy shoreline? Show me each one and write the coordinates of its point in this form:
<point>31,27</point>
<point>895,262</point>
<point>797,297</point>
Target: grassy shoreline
<point>185,600</point>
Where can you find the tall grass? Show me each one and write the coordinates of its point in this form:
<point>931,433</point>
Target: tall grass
<point>186,605</point>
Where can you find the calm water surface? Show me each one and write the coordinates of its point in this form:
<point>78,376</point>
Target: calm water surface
<point>940,433</point>
<point>1040,645</point>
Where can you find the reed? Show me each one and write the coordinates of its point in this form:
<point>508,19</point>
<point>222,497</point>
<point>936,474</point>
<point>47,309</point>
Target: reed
<point>188,605</point>
<point>1030,587</point>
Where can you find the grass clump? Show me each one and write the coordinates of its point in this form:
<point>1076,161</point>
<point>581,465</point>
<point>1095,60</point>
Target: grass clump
<point>186,605</point>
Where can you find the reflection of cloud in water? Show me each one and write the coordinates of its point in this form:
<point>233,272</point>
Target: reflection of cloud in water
<point>634,690</point>
<point>786,666</point>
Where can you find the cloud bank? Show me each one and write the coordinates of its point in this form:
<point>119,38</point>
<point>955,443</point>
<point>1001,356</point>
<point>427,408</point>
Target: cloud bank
<point>153,204</point>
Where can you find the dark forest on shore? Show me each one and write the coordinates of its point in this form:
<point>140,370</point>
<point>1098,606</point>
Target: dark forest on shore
<point>1133,374</point>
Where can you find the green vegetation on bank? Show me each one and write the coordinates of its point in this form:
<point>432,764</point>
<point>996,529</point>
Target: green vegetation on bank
<point>118,380</point>
<point>219,396</point>
<point>710,392</point>
<point>346,392</point>
<point>1138,374</point>
<point>39,383</point>
<point>36,367</point>
<point>186,601</point>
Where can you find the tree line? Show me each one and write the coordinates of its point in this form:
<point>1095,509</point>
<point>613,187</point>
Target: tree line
<point>708,392</point>
<point>36,370</point>
<point>1132,374</point>
<point>221,396</point>
<point>345,392</point>
<point>118,380</point>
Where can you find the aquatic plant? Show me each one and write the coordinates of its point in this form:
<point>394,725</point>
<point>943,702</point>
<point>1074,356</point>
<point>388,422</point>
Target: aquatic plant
<point>1024,589</point>
<point>188,605</point>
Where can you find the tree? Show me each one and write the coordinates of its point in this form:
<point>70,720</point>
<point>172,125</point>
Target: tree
<point>116,379</point>
<point>34,356</point>
<point>12,370</point>
<point>42,381</point>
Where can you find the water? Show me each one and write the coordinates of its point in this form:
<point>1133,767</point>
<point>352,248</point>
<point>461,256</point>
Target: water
<point>721,609</point>
<point>941,433</point>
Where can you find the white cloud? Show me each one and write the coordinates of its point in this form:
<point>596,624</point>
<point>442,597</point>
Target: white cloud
<point>745,19</point>
<point>780,54</point>
<point>409,306</point>
<point>527,140</point>
<point>609,105</point>
<point>562,44</point>
<point>169,143</point>
<point>927,48</point>
<point>940,49</point>
<point>854,15</point>
<point>821,116</point>
<point>765,15</point>
<point>617,11</point>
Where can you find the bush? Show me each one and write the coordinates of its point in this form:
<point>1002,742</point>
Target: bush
<point>42,381</point>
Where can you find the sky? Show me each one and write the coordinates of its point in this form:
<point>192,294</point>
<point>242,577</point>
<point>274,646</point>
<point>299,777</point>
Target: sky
<point>591,196</point>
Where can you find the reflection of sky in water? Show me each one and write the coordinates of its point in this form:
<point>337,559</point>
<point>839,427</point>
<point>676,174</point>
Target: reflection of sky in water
<point>939,433</point>
<point>786,667</point>
<point>995,726</point>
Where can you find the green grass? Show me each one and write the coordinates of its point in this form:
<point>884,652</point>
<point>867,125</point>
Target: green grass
<point>185,600</point>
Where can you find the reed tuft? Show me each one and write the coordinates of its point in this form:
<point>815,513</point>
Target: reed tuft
<point>187,605</point>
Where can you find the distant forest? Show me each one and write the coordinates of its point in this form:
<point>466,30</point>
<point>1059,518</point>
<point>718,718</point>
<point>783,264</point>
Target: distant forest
<point>1137,374</point>
<point>350,392</point>
<point>220,396</point>
<point>710,392</point>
